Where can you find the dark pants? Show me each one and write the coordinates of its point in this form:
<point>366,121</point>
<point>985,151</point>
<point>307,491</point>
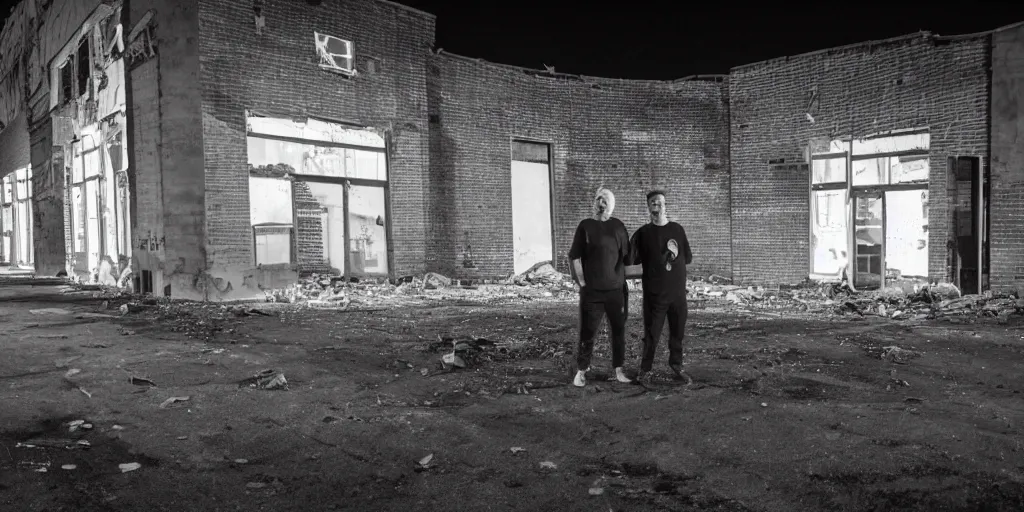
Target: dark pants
<point>656,309</point>
<point>594,305</point>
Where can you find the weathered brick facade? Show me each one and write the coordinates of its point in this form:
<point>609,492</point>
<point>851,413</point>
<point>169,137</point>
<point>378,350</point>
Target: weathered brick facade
<point>628,135</point>
<point>1007,210</point>
<point>908,82</point>
<point>730,151</point>
<point>277,73</point>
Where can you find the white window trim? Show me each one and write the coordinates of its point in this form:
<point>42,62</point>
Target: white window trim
<point>328,60</point>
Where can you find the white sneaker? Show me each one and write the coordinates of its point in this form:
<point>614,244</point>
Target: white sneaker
<point>621,377</point>
<point>580,380</point>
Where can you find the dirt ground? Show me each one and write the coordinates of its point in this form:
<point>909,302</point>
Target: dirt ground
<point>789,411</point>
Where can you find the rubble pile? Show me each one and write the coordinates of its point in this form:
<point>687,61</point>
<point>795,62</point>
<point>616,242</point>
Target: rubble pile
<point>328,290</point>
<point>544,274</point>
<point>923,302</point>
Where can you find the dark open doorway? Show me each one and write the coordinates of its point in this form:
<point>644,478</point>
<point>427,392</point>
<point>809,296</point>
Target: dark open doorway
<point>969,252</point>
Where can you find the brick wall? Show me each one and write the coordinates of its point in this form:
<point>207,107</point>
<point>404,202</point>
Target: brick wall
<point>14,154</point>
<point>1007,201</point>
<point>309,230</point>
<point>628,135</point>
<point>49,207</point>
<point>166,176</point>
<point>909,82</point>
<point>14,145</point>
<point>277,73</point>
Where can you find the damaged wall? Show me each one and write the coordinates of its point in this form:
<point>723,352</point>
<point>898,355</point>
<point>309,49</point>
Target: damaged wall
<point>907,82</point>
<point>629,135</point>
<point>14,145</point>
<point>265,61</point>
<point>166,157</point>
<point>1007,201</point>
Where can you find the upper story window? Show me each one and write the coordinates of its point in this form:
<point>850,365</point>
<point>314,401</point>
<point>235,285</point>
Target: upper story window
<point>335,54</point>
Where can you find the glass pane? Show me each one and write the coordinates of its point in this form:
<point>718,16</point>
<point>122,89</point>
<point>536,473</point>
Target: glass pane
<point>92,163</point>
<point>873,171</point>
<point>275,156</point>
<point>320,231</point>
<point>8,189</point>
<point>829,170</point>
<point>366,165</point>
<point>906,237</point>
<point>24,233</point>
<point>907,169</point>
<point>92,227</point>
<point>6,230</point>
<point>273,245</point>
<point>828,225</point>
<point>368,246</point>
<point>76,169</point>
<point>321,161</point>
<point>270,212</point>
<point>270,201</point>
<point>78,219</point>
<point>868,237</point>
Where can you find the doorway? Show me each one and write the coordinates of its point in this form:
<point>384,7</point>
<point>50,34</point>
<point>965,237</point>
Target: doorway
<point>969,252</point>
<point>532,237</point>
<point>869,240</point>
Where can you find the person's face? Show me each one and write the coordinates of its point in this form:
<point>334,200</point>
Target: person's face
<point>656,205</point>
<point>601,203</point>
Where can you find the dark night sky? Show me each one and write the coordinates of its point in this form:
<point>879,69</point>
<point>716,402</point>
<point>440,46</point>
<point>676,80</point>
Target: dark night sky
<point>661,40</point>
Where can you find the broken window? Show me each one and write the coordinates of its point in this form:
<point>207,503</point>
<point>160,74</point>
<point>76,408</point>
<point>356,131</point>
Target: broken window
<point>270,204</point>
<point>84,68</point>
<point>337,199</point>
<point>335,54</point>
<point>887,219</point>
<point>829,240</point>
<point>67,81</point>
<point>829,170</point>
<point>368,234</point>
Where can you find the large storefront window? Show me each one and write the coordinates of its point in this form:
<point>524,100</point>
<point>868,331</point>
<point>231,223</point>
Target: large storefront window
<point>16,218</point>
<point>871,193</point>
<point>318,196</point>
<point>99,204</point>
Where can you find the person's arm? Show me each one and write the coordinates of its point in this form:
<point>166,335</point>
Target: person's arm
<point>686,247</point>
<point>632,262</point>
<point>576,252</point>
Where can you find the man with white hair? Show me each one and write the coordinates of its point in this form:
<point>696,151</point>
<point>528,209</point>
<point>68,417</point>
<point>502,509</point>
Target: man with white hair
<point>663,250</point>
<point>599,254</point>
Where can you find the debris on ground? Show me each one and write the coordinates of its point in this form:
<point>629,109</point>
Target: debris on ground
<point>917,302</point>
<point>266,379</point>
<point>898,355</point>
<point>130,466</point>
<point>462,352</point>
<point>173,400</point>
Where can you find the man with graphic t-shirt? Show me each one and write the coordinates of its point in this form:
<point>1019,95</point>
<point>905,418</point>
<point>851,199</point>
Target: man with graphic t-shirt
<point>663,250</point>
<point>598,256</point>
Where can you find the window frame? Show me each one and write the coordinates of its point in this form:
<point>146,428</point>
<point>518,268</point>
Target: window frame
<point>347,183</point>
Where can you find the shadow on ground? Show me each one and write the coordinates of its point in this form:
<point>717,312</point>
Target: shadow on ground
<point>786,413</point>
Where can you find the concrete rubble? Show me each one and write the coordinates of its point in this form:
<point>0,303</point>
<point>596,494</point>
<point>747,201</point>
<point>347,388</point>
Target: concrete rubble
<point>543,281</point>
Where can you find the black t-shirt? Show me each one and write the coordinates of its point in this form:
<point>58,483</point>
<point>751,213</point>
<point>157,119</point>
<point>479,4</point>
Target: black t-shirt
<point>650,248</point>
<point>604,248</point>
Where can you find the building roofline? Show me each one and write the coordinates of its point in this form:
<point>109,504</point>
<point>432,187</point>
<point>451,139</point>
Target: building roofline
<point>543,73</point>
<point>407,8</point>
<point>922,34</point>
<point>905,37</point>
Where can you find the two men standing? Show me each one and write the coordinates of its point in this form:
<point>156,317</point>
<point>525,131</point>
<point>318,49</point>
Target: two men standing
<point>599,254</point>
